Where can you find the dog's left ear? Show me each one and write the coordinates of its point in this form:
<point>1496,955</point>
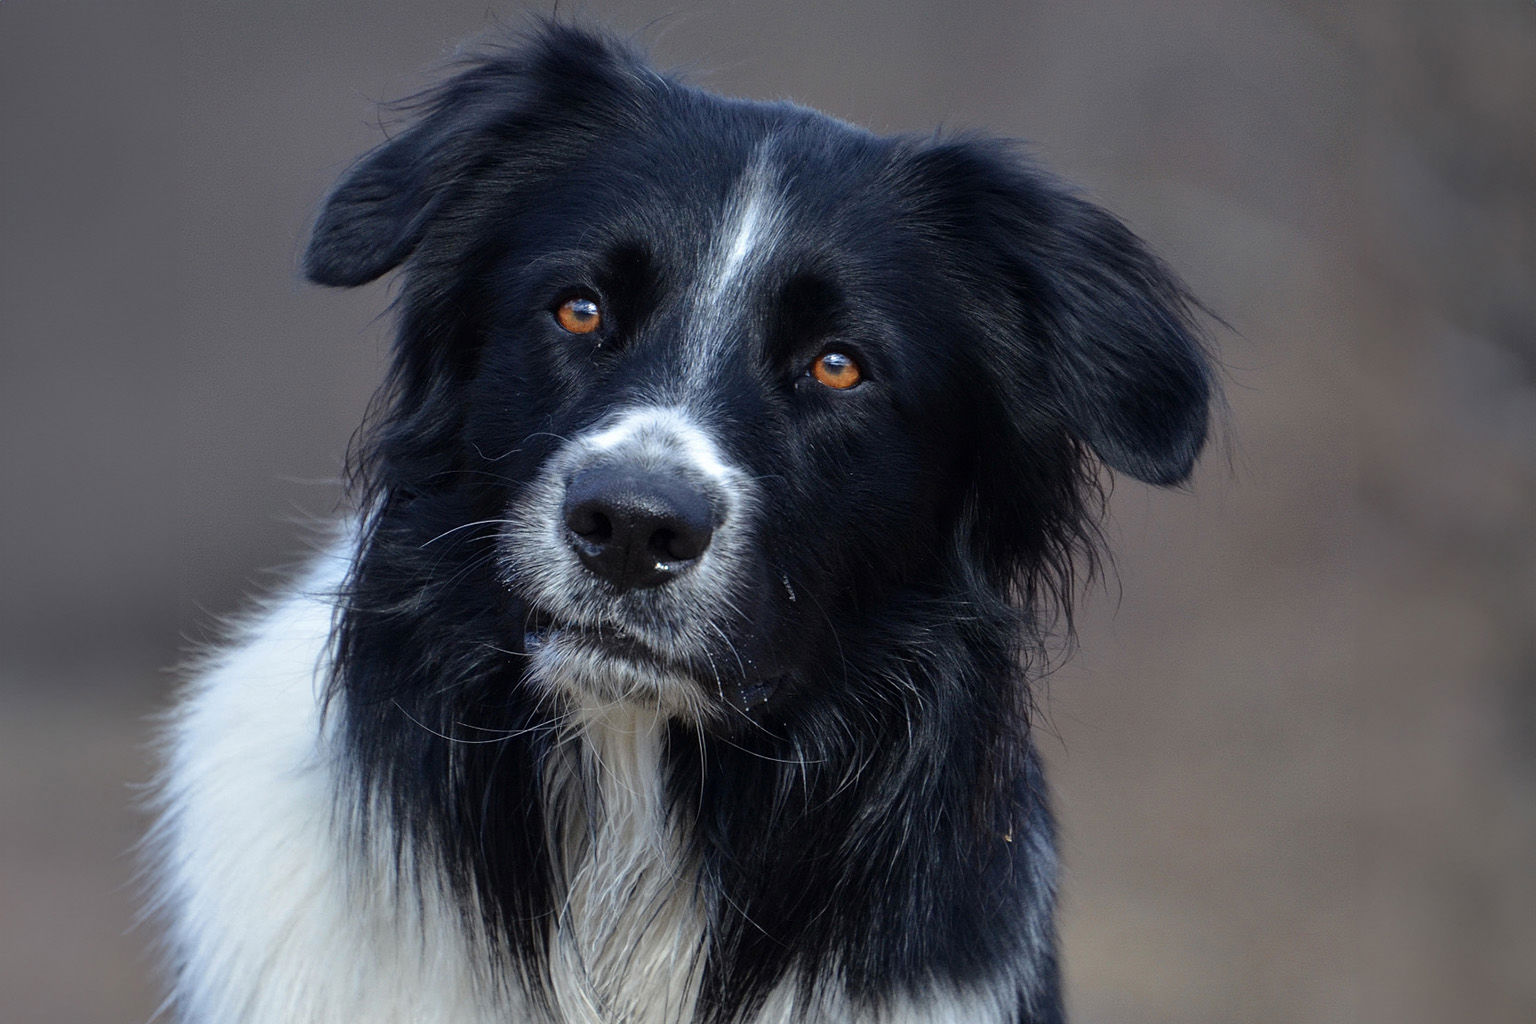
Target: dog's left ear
<point>1093,312</point>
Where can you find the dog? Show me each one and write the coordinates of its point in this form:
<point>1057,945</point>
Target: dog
<point>734,467</point>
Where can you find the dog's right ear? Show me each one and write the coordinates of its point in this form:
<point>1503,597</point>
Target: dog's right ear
<point>378,212</point>
<point>559,79</point>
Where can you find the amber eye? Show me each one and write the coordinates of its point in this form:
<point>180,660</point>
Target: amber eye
<point>579,315</point>
<point>836,370</point>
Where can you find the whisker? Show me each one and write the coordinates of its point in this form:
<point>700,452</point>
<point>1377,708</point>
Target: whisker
<point>466,526</point>
<point>454,739</point>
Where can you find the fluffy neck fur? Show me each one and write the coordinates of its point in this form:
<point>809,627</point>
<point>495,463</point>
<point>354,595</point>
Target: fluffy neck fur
<point>881,834</point>
<point>628,936</point>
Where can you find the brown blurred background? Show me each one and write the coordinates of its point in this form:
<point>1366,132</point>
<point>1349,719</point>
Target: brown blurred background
<point>1296,753</point>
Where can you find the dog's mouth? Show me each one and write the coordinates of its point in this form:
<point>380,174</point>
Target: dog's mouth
<point>546,635</point>
<point>541,629</point>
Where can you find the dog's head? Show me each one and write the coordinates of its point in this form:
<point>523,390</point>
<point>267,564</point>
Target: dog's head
<point>688,390</point>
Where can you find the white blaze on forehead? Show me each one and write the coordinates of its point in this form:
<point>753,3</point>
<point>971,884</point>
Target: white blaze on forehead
<point>666,430</point>
<point>745,236</point>
<point>748,227</point>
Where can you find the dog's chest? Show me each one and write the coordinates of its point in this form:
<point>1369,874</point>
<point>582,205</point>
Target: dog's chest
<point>629,935</point>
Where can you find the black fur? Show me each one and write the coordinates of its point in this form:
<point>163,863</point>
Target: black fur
<point>868,795</point>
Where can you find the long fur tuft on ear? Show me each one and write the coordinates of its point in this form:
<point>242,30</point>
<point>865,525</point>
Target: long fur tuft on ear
<point>1090,308</point>
<point>1130,370</point>
<point>383,206</point>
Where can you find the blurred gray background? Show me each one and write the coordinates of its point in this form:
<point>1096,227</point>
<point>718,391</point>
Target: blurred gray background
<point>1296,753</point>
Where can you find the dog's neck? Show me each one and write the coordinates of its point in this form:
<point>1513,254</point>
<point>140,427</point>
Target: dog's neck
<point>629,933</point>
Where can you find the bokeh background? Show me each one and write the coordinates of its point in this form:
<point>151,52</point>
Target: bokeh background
<point>1296,752</point>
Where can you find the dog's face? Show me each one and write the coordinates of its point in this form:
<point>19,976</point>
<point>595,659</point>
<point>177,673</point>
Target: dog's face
<point>710,382</point>
<point>755,420</point>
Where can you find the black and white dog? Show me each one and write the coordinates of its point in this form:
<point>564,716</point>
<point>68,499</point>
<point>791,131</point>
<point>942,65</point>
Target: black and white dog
<point>733,465</point>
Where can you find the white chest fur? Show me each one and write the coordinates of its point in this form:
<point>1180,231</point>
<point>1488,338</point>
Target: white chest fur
<point>275,916</point>
<point>628,943</point>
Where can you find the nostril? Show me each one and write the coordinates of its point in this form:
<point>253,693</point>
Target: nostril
<point>660,545</point>
<point>587,521</point>
<point>679,545</point>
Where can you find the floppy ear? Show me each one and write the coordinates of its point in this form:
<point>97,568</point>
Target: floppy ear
<point>489,115</point>
<point>1129,370</point>
<point>1108,326</point>
<point>377,213</point>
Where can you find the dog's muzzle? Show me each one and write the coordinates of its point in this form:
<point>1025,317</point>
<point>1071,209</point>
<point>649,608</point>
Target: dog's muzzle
<point>632,554</point>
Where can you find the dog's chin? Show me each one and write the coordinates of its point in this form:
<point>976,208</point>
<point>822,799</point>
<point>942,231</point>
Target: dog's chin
<point>597,668</point>
<point>606,668</point>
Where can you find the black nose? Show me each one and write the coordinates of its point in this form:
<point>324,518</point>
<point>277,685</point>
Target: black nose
<point>636,528</point>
